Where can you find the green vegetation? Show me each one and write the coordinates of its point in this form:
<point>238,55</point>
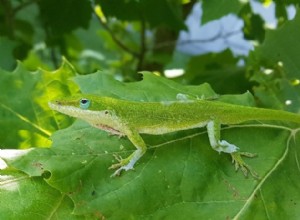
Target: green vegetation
<point>57,168</point>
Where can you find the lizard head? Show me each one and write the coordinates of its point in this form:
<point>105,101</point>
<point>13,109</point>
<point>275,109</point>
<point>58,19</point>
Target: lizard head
<point>83,106</point>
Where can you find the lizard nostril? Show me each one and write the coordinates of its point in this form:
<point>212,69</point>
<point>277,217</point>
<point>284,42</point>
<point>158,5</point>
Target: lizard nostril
<point>58,102</point>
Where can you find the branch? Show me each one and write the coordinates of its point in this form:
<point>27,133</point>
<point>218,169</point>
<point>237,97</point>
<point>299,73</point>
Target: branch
<point>143,45</point>
<point>183,42</point>
<point>115,39</point>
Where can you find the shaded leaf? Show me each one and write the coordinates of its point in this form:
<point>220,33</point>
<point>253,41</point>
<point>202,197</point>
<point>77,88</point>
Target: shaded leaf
<point>275,67</point>
<point>280,46</point>
<point>65,16</point>
<point>214,9</point>
<point>7,60</point>
<point>217,69</point>
<point>253,24</point>
<point>169,13</point>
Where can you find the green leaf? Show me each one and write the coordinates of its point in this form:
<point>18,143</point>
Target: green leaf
<point>180,176</point>
<point>279,201</point>
<point>7,60</point>
<point>161,88</point>
<point>26,120</point>
<point>276,67</point>
<point>156,12</point>
<point>282,45</point>
<point>253,24</point>
<point>65,16</point>
<point>215,9</point>
<point>24,197</point>
<point>277,93</point>
<point>217,69</point>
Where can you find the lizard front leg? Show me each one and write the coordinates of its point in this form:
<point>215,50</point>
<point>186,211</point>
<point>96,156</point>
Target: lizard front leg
<point>214,135</point>
<point>128,163</point>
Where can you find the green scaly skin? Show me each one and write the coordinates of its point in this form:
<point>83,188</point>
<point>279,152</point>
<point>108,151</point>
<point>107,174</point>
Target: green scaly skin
<point>131,118</point>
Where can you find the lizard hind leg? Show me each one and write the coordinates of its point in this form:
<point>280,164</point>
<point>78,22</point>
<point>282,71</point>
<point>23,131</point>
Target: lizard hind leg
<point>214,135</point>
<point>129,162</point>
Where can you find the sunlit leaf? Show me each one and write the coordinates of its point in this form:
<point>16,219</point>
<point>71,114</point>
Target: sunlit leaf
<point>24,105</point>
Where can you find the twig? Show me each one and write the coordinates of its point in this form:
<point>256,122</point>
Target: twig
<point>143,45</point>
<point>183,42</point>
<point>54,58</point>
<point>115,39</point>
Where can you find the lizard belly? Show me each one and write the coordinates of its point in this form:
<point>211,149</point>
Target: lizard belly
<point>163,129</point>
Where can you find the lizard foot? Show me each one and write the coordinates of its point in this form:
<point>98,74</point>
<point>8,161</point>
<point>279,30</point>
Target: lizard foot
<point>127,163</point>
<point>123,164</point>
<point>240,164</point>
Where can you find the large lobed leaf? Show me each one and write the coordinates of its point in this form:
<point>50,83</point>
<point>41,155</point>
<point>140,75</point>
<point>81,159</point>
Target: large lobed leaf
<point>26,120</point>
<point>180,176</point>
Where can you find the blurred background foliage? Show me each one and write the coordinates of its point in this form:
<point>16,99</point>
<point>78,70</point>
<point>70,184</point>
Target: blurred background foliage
<point>202,41</point>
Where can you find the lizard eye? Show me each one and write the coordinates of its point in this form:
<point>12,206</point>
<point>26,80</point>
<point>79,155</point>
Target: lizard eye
<point>85,103</point>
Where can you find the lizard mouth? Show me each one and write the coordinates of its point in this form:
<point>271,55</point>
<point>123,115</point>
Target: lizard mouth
<point>70,110</point>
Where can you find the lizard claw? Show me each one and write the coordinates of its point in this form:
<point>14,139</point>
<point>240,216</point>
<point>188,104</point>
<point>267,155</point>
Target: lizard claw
<point>117,157</point>
<point>123,164</point>
<point>127,163</point>
<point>118,171</point>
<point>240,164</point>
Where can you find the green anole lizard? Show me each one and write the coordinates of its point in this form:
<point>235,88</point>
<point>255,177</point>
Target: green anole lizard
<point>131,118</point>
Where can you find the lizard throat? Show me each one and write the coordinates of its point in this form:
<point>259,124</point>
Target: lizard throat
<point>109,129</point>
